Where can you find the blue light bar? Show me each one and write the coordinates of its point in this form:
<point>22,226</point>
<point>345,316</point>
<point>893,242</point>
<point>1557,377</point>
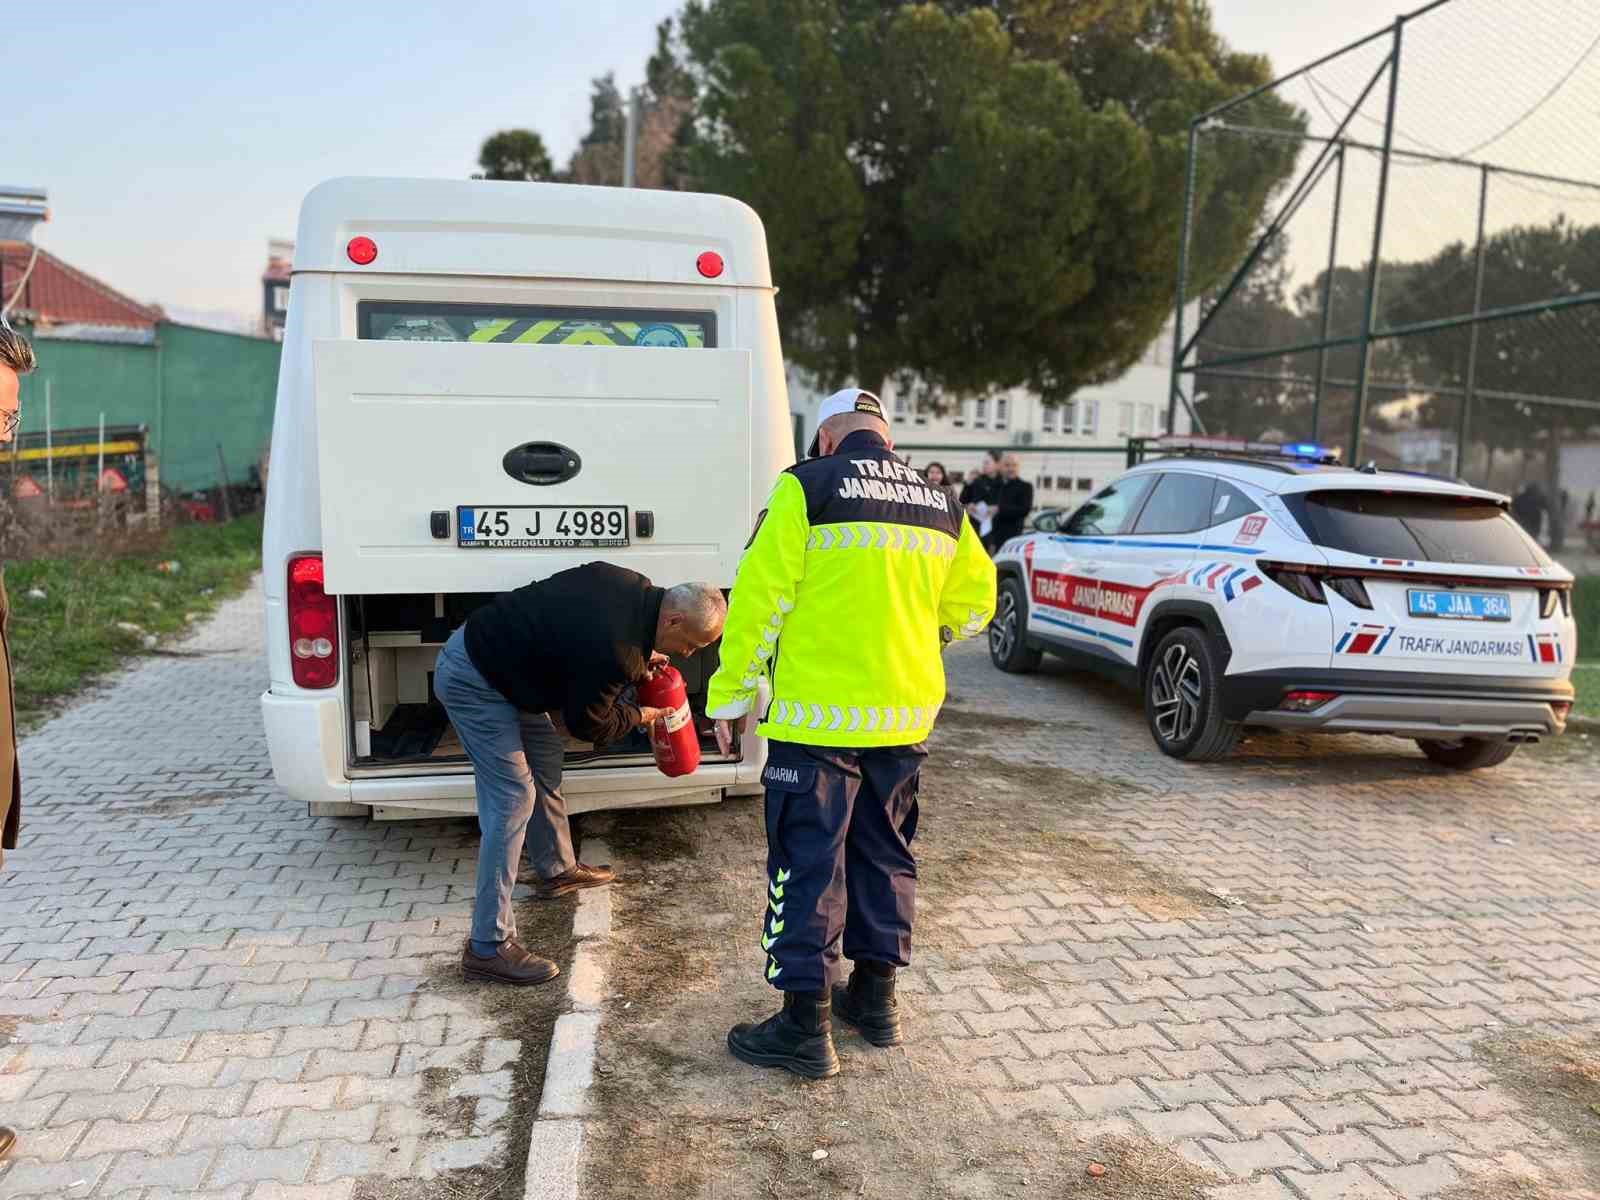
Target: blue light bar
<point>1306,450</point>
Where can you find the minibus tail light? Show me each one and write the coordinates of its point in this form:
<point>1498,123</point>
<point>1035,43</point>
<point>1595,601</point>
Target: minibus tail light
<point>313,625</point>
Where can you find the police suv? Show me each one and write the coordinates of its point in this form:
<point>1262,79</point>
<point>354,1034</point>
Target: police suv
<point>1251,584</point>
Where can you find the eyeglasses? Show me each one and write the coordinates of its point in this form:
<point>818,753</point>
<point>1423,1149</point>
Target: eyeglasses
<point>8,421</point>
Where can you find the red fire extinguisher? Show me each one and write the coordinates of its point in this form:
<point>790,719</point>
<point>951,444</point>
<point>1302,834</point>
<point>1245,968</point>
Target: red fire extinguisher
<point>673,738</point>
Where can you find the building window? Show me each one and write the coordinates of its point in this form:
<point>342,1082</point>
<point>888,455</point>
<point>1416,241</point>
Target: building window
<point>1043,483</point>
<point>1124,420</point>
<point>1002,412</point>
<point>1085,485</point>
<point>1050,418</point>
<point>958,416</point>
<point>1069,416</point>
<point>280,298</point>
<point>980,413</point>
<point>1147,418</point>
<point>1089,417</point>
<point>902,409</point>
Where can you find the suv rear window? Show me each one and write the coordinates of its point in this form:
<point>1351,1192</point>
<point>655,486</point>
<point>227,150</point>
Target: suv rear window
<point>545,325</point>
<point>1450,529</point>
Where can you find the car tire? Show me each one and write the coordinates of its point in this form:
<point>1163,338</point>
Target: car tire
<point>1468,754</point>
<point>1008,632</point>
<point>1182,699</point>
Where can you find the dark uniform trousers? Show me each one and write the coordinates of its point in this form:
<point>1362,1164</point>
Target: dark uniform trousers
<point>839,862</point>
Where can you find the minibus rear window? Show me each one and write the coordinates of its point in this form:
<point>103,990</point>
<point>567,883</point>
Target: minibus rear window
<point>543,325</point>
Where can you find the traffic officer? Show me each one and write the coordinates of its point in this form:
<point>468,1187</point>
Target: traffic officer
<point>857,574</point>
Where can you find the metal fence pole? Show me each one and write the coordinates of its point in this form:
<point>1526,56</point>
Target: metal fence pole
<point>1370,317</point>
<point>1183,277</point>
<point>1465,424</point>
<point>1327,296</point>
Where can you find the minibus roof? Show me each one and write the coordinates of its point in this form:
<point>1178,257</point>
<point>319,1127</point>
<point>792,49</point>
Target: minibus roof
<point>545,230</point>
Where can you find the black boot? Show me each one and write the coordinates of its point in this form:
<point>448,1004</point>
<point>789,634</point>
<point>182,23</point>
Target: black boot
<point>798,1039</point>
<point>868,1003</point>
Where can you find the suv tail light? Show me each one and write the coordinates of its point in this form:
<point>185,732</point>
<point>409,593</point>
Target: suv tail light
<point>1297,580</point>
<point>1562,708</point>
<point>313,625</point>
<point>1351,588</point>
<point>1306,701</point>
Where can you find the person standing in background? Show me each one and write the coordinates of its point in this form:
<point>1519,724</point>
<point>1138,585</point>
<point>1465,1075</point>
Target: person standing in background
<point>979,495</point>
<point>16,360</point>
<point>1013,502</point>
<point>934,473</point>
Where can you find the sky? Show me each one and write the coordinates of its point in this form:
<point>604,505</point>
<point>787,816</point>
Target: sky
<point>175,138</point>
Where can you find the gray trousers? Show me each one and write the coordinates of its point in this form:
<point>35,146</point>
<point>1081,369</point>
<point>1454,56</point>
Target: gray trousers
<point>517,758</point>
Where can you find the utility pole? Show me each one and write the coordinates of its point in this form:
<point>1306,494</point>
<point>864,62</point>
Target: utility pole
<point>630,144</point>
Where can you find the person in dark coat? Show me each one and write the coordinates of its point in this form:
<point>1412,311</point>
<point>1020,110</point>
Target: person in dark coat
<point>979,493</point>
<point>1013,503</point>
<point>1528,507</point>
<point>16,360</point>
<point>572,645</point>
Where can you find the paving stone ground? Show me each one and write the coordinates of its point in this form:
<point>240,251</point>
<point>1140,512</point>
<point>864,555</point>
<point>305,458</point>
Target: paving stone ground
<point>205,993</point>
<point>1304,1019</point>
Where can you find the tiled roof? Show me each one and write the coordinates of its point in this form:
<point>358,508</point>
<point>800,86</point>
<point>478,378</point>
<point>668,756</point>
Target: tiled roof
<point>57,293</point>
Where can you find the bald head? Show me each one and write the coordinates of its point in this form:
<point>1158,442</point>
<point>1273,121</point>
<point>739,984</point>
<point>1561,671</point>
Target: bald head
<point>692,615</point>
<point>835,429</point>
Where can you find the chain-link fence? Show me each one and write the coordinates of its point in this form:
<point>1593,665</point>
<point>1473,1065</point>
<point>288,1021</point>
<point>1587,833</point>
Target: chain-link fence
<point>1424,289</point>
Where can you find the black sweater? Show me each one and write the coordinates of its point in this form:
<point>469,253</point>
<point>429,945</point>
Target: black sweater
<point>572,642</point>
<point>1013,501</point>
<point>981,489</point>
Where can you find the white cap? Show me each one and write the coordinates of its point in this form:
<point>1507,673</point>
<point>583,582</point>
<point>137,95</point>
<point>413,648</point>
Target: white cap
<point>846,400</point>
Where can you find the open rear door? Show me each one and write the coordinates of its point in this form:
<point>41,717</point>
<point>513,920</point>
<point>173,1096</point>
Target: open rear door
<point>407,430</point>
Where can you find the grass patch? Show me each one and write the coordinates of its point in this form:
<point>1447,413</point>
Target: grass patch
<point>63,642</point>
<point>1586,612</point>
<point>1586,681</point>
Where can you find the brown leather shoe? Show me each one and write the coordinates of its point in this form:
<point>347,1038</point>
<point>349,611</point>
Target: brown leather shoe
<point>581,876</point>
<point>8,1140</point>
<point>512,964</point>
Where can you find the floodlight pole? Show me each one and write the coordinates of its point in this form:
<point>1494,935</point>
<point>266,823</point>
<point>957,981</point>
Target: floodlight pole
<point>1183,277</point>
<point>1465,425</point>
<point>1370,317</point>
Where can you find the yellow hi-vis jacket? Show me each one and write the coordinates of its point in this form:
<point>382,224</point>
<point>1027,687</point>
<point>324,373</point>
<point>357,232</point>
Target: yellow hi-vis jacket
<point>854,568</point>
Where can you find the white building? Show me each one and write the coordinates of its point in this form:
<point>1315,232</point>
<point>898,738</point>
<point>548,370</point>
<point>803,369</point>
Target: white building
<point>1067,450</point>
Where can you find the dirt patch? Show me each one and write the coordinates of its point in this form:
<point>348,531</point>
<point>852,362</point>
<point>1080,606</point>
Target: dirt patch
<point>1135,1169</point>
<point>8,1029</point>
<point>1557,1079</point>
<point>526,1015</point>
<point>969,845</point>
<point>177,806</point>
<point>680,1117</point>
<point>1499,1186</point>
